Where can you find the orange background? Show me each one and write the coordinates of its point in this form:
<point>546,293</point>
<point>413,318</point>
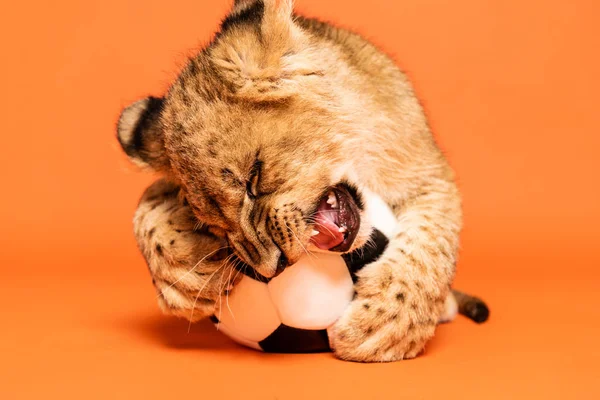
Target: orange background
<point>511,88</point>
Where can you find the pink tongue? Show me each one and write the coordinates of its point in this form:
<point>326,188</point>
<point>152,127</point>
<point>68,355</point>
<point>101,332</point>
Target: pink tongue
<point>329,235</point>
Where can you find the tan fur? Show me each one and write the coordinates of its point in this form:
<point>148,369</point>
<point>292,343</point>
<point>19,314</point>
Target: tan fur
<point>188,265</point>
<point>316,105</point>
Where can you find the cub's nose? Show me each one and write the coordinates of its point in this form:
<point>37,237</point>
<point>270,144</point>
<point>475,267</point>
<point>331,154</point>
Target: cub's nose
<point>282,264</point>
<point>267,261</point>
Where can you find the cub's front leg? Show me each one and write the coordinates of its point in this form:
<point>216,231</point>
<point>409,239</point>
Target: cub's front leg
<point>400,297</point>
<point>190,268</point>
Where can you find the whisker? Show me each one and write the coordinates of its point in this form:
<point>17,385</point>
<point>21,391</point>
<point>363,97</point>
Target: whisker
<point>193,268</point>
<point>228,282</point>
<point>221,299</point>
<point>237,273</point>
<point>220,296</point>
<point>198,295</point>
<point>371,243</point>
<point>232,267</point>
<point>203,287</point>
<point>296,236</point>
<point>198,225</point>
<point>227,259</point>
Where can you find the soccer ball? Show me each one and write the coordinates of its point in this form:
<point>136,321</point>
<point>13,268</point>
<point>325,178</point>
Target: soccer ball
<point>292,312</point>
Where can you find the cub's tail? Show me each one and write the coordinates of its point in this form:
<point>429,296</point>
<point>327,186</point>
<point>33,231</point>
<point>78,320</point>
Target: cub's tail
<point>471,307</point>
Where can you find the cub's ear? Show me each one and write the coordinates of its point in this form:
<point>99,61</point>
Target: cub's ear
<point>141,135</point>
<point>241,4</point>
<point>261,53</point>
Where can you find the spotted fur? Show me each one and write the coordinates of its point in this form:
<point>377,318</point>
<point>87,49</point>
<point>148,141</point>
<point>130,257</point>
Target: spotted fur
<point>190,267</point>
<point>257,127</point>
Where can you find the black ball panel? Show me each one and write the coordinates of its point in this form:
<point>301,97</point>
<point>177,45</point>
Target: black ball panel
<point>367,254</point>
<point>286,339</point>
<point>290,340</point>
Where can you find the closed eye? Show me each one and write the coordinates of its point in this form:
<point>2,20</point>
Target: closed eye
<point>252,183</point>
<point>252,187</point>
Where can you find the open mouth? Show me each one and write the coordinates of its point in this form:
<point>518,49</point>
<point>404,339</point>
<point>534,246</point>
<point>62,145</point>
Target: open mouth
<point>336,221</point>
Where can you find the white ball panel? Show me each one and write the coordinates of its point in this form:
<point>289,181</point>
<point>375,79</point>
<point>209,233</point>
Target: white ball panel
<point>314,292</point>
<point>236,337</point>
<point>249,311</point>
<point>379,214</point>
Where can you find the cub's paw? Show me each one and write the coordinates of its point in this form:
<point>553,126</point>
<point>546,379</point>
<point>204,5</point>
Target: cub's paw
<point>389,319</point>
<point>189,266</point>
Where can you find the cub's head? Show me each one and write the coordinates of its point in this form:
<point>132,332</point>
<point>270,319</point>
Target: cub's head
<point>256,131</point>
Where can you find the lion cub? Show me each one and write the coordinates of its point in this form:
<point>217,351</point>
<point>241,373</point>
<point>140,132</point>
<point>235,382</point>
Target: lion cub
<point>284,121</point>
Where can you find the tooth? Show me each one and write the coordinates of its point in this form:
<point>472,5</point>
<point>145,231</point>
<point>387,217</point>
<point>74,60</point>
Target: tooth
<point>342,229</point>
<point>314,233</point>
<point>332,200</point>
